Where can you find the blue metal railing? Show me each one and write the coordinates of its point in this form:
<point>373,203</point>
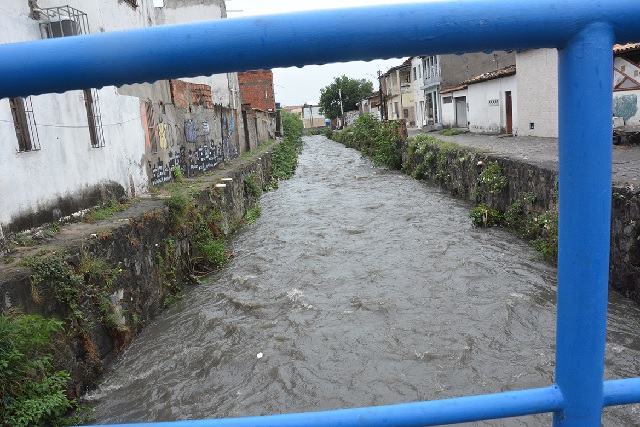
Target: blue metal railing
<point>584,31</point>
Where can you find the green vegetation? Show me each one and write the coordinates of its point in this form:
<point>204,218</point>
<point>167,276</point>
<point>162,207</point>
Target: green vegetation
<point>33,392</point>
<point>521,217</point>
<point>176,173</point>
<point>346,91</point>
<point>284,157</point>
<point>481,216</point>
<point>325,131</point>
<point>429,157</point>
<point>252,187</point>
<point>73,280</point>
<point>450,132</point>
<point>253,213</point>
<point>107,210</point>
<point>380,141</point>
<point>493,178</point>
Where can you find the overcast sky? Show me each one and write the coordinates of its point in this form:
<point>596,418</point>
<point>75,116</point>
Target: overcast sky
<point>295,86</point>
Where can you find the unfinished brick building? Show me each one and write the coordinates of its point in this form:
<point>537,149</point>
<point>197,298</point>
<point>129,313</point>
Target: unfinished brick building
<point>256,88</point>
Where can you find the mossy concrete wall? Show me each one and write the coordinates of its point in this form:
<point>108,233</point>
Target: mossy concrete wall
<point>152,260</point>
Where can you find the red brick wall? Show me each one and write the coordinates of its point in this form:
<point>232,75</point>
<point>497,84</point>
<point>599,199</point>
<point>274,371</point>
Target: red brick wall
<point>253,85</point>
<point>184,94</point>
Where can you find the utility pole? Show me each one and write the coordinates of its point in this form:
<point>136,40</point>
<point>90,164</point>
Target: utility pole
<point>341,108</point>
<point>380,92</point>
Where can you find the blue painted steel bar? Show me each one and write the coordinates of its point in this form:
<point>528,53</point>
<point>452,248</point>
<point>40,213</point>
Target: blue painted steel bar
<point>228,45</point>
<point>584,30</point>
<point>585,159</point>
<point>621,392</point>
<point>436,412</point>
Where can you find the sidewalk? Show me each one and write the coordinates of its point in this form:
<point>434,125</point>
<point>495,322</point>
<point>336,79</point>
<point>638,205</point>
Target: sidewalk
<point>544,152</point>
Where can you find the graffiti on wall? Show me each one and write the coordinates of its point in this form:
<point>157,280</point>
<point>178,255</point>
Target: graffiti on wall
<point>625,106</point>
<point>190,131</point>
<point>229,149</point>
<point>161,129</point>
<point>204,157</point>
<point>199,147</point>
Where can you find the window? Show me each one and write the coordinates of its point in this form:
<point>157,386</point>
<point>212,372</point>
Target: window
<point>415,74</point>
<point>447,100</point>
<point>63,21</point>
<point>151,128</point>
<point>405,113</point>
<point>93,117</point>
<point>25,124</point>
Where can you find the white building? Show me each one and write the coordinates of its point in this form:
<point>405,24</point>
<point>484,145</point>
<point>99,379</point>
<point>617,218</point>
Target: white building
<point>430,107</point>
<point>65,152</point>
<point>626,83</point>
<point>484,104</point>
<point>492,98</point>
<point>454,107</point>
<point>537,82</point>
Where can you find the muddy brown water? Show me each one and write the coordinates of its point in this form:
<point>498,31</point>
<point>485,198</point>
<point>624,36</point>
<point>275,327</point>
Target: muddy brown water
<point>357,286</point>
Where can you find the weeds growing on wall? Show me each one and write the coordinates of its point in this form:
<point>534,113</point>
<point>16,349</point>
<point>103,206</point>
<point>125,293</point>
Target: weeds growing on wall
<point>176,173</point>
<point>284,157</point>
<point>33,393</point>
<point>253,213</point>
<point>380,141</point>
<point>107,210</point>
<point>429,158</point>
<point>74,279</point>
<point>521,217</point>
<point>493,178</point>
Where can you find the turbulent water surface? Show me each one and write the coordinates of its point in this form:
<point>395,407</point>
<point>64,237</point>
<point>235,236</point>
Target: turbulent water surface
<point>357,286</point>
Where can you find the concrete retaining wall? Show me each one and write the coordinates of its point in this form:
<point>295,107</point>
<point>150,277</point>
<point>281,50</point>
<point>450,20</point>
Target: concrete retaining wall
<point>152,257</point>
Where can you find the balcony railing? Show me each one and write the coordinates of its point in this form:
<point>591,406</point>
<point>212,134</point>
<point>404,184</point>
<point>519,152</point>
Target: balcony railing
<point>584,31</point>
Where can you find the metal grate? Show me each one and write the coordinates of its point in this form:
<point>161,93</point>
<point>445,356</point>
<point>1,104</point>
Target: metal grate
<point>91,102</point>
<point>63,21</point>
<point>25,125</point>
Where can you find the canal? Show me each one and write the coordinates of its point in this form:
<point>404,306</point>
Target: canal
<point>357,286</point>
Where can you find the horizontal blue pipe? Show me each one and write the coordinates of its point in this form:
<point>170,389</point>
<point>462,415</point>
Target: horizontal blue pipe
<point>298,39</point>
<point>437,412</point>
<point>621,392</point>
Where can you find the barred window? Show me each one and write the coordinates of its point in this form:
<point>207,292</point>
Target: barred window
<point>25,124</point>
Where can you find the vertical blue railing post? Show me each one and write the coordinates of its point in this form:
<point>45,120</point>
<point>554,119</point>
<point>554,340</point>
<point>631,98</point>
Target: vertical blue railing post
<point>585,154</point>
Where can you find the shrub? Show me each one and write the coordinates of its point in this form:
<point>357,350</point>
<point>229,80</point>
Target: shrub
<point>481,216</point>
<point>33,394</point>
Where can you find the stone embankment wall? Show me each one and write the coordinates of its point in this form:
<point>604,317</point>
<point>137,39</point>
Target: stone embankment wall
<point>624,267</point>
<point>128,268</point>
<point>460,171</point>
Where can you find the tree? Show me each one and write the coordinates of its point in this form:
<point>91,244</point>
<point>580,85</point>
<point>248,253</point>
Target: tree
<point>353,91</point>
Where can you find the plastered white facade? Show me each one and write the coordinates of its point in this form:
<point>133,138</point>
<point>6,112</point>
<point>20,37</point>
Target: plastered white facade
<point>537,80</point>
<point>448,103</point>
<point>67,164</point>
<point>64,165</point>
<point>627,90</point>
<point>488,106</point>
